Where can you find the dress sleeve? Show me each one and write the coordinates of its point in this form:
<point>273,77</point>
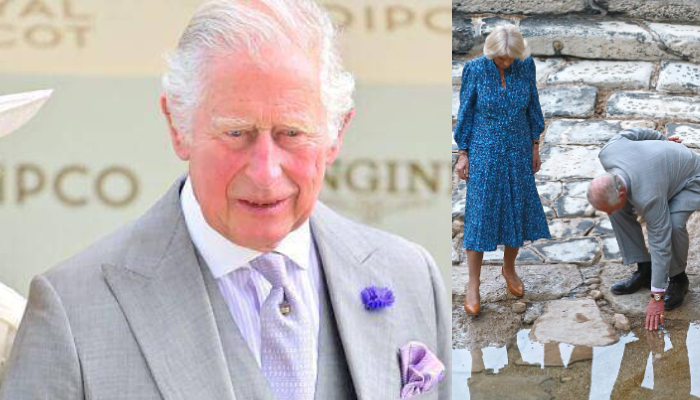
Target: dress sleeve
<point>467,103</point>
<point>534,111</point>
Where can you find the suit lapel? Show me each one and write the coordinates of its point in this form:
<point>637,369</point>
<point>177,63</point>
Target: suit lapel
<point>162,294</point>
<point>350,265</point>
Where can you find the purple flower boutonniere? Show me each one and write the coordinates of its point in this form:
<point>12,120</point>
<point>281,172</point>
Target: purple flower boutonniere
<point>375,298</point>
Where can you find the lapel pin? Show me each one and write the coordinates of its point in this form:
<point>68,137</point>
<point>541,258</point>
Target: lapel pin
<point>375,298</point>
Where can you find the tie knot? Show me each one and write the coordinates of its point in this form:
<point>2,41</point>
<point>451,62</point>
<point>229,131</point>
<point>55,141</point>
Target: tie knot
<point>272,267</point>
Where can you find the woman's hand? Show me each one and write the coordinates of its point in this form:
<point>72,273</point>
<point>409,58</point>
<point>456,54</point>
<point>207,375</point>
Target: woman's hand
<point>462,167</point>
<point>536,161</point>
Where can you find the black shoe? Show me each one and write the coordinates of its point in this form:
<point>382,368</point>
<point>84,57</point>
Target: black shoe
<point>641,278</point>
<point>675,293</point>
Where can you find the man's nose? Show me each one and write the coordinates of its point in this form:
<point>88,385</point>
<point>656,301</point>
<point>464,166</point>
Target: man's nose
<point>264,164</point>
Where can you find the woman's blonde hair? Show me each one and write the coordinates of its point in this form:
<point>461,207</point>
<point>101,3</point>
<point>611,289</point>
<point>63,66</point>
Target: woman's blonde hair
<point>506,40</point>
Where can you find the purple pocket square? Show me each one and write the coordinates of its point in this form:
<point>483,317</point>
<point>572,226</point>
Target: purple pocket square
<point>421,370</point>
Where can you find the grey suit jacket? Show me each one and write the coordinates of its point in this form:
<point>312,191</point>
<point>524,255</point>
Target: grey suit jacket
<point>130,318</point>
<point>661,176</point>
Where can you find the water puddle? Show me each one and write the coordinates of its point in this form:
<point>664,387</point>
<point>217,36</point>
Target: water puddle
<point>642,365</point>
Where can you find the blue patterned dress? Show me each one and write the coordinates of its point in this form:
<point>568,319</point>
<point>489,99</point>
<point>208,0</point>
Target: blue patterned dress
<point>496,127</point>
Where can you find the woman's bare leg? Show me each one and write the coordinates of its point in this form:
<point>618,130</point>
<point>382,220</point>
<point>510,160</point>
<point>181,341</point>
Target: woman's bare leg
<point>509,256</point>
<point>474,259</point>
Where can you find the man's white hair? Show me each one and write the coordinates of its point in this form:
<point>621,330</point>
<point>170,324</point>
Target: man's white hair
<point>506,40</point>
<point>222,26</point>
<point>608,190</point>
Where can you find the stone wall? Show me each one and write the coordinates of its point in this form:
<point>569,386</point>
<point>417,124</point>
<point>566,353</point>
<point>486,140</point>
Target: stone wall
<point>602,66</point>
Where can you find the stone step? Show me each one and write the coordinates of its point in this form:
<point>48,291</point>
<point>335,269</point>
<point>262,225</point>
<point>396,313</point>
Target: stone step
<point>583,250</point>
<point>681,39</point>
<point>562,228</point>
<point>676,77</point>
<point>591,38</point>
<point>519,6</point>
<point>690,133</point>
<point>653,105</point>
<point>569,162</point>
<point>568,101</point>
<point>653,10</point>
<point>605,74</point>
<point>545,67</point>
<point>587,132</point>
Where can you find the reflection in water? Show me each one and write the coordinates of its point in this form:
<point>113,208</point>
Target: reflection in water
<point>642,364</point>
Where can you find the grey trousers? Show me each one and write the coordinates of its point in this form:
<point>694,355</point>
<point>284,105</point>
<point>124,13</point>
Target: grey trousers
<point>630,239</point>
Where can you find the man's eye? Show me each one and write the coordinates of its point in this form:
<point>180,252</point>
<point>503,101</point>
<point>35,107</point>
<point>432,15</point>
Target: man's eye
<point>234,133</point>
<point>291,133</point>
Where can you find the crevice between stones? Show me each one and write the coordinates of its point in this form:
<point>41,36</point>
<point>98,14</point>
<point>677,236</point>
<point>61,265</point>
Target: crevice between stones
<point>660,43</point>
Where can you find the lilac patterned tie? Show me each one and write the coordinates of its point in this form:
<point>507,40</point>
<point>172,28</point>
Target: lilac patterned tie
<point>286,334</point>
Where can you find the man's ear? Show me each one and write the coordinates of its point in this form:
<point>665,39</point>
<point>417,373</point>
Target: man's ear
<point>180,142</point>
<point>338,143</point>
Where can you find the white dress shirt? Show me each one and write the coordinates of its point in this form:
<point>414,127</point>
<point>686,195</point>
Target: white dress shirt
<point>244,288</point>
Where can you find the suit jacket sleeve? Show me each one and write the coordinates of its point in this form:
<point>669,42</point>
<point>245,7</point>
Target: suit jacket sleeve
<point>658,220</point>
<point>639,133</point>
<point>443,312</point>
<point>44,362</point>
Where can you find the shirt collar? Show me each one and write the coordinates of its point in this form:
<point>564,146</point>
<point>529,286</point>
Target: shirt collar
<point>222,255</point>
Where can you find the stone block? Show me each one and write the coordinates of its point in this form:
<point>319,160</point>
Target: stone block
<point>545,66</point>
<point>583,250</point>
<point>654,10</point>
<point>549,190</point>
<point>496,325</point>
<point>568,101</point>
<point>591,38</point>
<point>576,188</point>
<point>548,212</point>
<point>603,227</point>
<point>562,228</point>
<point>653,105</point>
<point>676,77</point>
<point>575,322</point>
<point>455,103</point>
<point>586,132</point>
<point>635,305</point>
<point>690,133</point>
<point>519,6</point>
<point>457,68</point>
<point>569,162</point>
<point>681,39</point>
<point>524,256</point>
<point>611,251</point>
<point>605,74</point>
<point>572,207</point>
<point>463,34</point>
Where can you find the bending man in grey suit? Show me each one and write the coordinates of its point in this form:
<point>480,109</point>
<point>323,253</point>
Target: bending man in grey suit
<point>238,284</point>
<point>659,179</point>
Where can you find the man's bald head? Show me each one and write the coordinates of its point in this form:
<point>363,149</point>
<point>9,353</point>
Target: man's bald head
<point>607,192</point>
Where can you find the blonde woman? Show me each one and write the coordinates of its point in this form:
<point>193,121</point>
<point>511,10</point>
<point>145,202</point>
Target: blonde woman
<point>498,130</point>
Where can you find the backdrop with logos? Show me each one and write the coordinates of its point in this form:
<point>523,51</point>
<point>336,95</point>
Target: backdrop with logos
<point>98,154</point>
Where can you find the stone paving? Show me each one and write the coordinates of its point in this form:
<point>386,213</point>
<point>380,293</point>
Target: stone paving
<point>602,67</point>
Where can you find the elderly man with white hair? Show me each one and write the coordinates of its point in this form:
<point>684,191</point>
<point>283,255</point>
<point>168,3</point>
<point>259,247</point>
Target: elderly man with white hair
<point>652,176</point>
<point>238,284</point>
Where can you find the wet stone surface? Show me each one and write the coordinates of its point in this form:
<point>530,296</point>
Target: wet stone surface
<point>603,227</point>
<point>570,250</point>
<point>549,190</point>
<point>635,305</point>
<point>611,251</point>
<point>653,105</point>
<point>576,188</point>
<point>569,162</point>
<point>676,77</point>
<point>576,322</point>
<point>605,74</point>
<point>567,101</point>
